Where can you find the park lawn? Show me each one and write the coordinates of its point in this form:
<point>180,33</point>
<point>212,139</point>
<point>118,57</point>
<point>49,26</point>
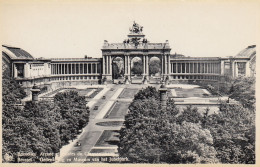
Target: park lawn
<point>83,92</point>
<point>109,138</point>
<point>128,93</point>
<point>117,111</point>
<point>110,123</point>
<point>195,92</point>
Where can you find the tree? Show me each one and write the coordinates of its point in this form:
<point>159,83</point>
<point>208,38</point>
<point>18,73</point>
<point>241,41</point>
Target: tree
<point>116,72</point>
<point>188,143</point>
<point>137,68</point>
<point>74,112</point>
<point>243,90</point>
<point>233,130</point>
<point>12,92</point>
<point>151,135</point>
<point>32,129</point>
<point>39,127</point>
<point>190,114</point>
<point>154,67</point>
<point>149,92</point>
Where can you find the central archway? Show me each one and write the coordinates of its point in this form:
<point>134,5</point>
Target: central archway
<point>155,70</point>
<point>136,69</point>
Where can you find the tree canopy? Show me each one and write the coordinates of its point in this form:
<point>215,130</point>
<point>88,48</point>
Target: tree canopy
<point>153,135</point>
<point>137,68</point>
<point>243,90</point>
<point>154,67</point>
<point>39,127</point>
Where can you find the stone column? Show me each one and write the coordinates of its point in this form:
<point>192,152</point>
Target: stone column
<point>26,70</point>
<point>106,65</point>
<point>162,66</point>
<point>15,71</point>
<point>147,66</point>
<point>125,66</point>
<point>128,65</point>
<point>97,68</point>
<point>103,67</point>
<point>144,66</point>
<point>163,95</point>
<point>169,63</point>
<point>59,68</point>
<point>165,64</point>
<point>176,67</point>
<point>56,68</point>
<point>110,65</point>
<point>35,92</point>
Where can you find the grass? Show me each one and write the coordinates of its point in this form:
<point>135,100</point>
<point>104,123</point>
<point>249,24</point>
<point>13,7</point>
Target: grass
<point>196,92</point>
<point>108,138</point>
<point>128,93</point>
<point>95,93</point>
<point>117,111</point>
<point>110,123</point>
<point>83,92</point>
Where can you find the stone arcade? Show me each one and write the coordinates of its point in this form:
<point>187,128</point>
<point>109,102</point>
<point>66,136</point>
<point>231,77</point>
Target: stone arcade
<point>55,73</point>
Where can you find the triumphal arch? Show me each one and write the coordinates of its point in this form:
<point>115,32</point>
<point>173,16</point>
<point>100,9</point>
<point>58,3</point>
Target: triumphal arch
<point>136,45</point>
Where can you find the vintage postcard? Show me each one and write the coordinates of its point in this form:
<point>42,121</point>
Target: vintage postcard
<point>132,82</point>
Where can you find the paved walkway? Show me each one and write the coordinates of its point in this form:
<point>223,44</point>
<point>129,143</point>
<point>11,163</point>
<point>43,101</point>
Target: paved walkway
<point>104,110</point>
<point>92,132</point>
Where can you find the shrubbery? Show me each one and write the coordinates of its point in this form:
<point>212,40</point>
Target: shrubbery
<point>153,135</point>
<point>41,127</point>
<point>241,89</point>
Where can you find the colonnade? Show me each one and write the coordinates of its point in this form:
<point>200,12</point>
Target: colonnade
<point>196,67</point>
<point>74,68</point>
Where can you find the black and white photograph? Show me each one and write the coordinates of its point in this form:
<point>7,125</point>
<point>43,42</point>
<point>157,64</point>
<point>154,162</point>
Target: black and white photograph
<point>129,82</point>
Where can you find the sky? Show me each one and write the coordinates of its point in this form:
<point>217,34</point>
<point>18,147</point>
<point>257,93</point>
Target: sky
<point>73,29</point>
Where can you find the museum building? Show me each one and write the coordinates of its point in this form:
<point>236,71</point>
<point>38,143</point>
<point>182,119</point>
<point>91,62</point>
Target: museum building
<point>63,72</point>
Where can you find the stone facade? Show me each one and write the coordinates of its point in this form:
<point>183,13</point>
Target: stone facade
<point>55,73</point>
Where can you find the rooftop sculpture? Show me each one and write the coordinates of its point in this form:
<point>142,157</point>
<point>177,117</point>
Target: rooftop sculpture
<point>136,28</point>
